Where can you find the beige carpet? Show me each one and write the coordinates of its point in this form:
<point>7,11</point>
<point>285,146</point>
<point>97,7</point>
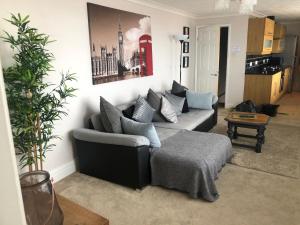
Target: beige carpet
<point>247,196</point>
<point>281,151</point>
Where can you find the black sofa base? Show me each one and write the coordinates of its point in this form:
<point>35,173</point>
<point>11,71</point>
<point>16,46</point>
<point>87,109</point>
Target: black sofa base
<point>128,166</point>
<point>208,124</point>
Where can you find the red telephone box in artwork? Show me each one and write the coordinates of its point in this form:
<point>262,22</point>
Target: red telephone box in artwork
<point>145,43</point>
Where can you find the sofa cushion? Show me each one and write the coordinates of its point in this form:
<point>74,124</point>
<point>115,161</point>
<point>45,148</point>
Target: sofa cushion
<point>143,129</point>
<point>167,111</point>
<point>176,102</point>
<point>110,117</point>
<point>143,112</point>
<point>185,107</point>
<point>155,102</point>
<point>176,88</point>
<point>128,113</point>
<point>96,122</point>
<point>198,100</point>
<point>188,121</point>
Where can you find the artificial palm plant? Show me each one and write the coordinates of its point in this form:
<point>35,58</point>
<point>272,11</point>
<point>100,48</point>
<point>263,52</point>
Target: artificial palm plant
<point>34,104</point>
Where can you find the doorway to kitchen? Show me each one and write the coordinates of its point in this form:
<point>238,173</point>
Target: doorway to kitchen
<point>212,60</point>
<point>223,65</point>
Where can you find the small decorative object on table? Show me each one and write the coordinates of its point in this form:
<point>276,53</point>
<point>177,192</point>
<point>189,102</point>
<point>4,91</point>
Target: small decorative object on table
<point>247,120</point>
<point>40,203</point>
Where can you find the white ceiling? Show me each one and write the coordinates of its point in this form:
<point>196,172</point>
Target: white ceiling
<point>283,10</point>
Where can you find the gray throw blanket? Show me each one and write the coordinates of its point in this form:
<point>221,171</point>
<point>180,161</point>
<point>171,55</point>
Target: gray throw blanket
<point>190,161</point>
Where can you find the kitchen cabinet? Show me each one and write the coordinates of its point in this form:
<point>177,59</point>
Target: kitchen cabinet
<point>264,89</point>
<point>260,36</point>
<point>287,77</point>
<point>278,45</point>
<point>279,31</point>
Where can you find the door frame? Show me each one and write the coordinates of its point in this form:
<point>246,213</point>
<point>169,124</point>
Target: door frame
<point>228,56</point>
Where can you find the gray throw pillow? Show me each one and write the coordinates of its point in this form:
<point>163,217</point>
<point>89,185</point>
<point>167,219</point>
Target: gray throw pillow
<point>176,102</point>
<point>177,88</point>
<point>167,111</point>
<point>144,129</point>
<point>110,117</point>
<point>199,100</point>
<point>143,112</point>
<point>155,102</point>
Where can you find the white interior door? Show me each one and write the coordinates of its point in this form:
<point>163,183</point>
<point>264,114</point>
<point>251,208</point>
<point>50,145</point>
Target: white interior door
<point>208,47</point>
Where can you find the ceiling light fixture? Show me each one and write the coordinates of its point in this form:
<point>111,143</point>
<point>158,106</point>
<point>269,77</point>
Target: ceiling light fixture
<point>245,6</point>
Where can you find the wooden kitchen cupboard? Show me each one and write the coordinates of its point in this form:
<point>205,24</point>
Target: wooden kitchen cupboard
<point>260,36</point>
<point>279,31</point>
<point>287,77</point>
<point>279,38</point>
<point>262,89</point>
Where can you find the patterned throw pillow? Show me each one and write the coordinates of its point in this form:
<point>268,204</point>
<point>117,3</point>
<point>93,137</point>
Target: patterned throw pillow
<point>144,129</point>
<point>167,110</point>
<point>143,112</point>
<point>176,102</point>
<point>155,102</point>
<point>110,117</point>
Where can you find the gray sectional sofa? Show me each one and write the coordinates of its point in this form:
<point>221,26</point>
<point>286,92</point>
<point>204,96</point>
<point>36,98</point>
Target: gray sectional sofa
<point>126,159</point>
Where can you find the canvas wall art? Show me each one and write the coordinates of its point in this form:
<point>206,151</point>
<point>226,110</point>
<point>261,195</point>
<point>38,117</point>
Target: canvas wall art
<point>121,44</point>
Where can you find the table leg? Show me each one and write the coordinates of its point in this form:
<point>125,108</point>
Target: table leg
<point>230,131</point>
<point>235,134</point>
<point>260,138</point>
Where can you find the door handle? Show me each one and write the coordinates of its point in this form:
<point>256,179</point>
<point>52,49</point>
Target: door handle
<point>214,74</point>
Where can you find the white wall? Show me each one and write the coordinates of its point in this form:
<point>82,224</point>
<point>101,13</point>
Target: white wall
<point>237,40</point>
<point>11,206</point>
<point>66,21</point>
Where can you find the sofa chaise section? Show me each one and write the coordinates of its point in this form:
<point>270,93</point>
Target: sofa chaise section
<point>119,158</point>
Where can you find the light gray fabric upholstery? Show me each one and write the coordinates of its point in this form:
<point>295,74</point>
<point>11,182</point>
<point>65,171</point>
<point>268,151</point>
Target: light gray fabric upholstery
<point>188,121</point>
<point>110,138</point>
<point>190,161</point>
<point>176,102</point>
<point>143,112</point>
<point>96,122</point>
<point>164,133</point>
<point>167,111</point>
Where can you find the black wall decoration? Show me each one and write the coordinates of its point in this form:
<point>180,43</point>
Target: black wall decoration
<point>186,62</point>
<point>186,47</point>
<point>186,31</point>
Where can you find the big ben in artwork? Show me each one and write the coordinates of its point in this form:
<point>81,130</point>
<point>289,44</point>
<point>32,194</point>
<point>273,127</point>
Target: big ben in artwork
<point>121,45</point>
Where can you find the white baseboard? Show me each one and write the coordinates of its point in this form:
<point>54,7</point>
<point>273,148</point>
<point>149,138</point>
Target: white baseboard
<point>63,171</point>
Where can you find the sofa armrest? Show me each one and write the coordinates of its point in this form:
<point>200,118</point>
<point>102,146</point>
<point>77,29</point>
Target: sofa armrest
<point>95,136</point>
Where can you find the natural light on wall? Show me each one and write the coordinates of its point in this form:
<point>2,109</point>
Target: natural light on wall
<point>245,6</point>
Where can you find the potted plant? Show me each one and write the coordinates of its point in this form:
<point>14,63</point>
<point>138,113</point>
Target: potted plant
<point>34,104</point>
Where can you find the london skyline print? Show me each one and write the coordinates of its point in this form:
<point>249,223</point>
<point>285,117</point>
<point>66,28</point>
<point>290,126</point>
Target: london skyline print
<point>120,44</point>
